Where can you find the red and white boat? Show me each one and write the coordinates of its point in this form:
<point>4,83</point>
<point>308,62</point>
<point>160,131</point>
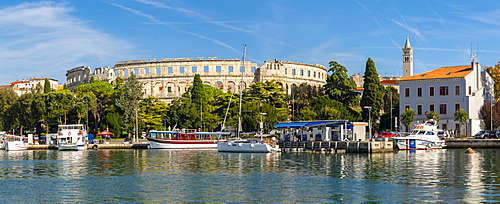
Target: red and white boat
<point>185,139</point>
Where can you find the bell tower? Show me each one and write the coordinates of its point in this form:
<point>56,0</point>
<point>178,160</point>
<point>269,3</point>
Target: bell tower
<point>407,59</point>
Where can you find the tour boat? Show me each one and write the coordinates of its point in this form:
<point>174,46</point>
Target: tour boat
<point>247,146</point>
<point>72,137</point>
<point>14,143</point>
<point>184,139</point>
<point>423,136</point>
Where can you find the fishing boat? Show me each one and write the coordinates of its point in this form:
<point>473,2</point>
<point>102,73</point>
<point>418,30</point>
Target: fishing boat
<point>184,139</point>
<point>242,145</point>
<point>423,136</point>
<point>14,143</point>
<point>71,137</point>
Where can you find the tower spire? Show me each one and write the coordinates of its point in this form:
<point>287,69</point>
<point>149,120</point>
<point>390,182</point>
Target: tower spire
<point>407,59</point>
<point>407,44</point>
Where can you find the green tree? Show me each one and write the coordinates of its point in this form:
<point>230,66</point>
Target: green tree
<point>46,86</point>
<point>461,116</point>
<point>339,86</point>
<point>153,113</point>
<point>128,101</point>
<point>407,117</point>
<point>100,94</point>
<point>490,114</point>
<point>372,94</point>
<point>7,98</point>
<point>301,97</point>
<point>434,116</point>
<point>494,72</point>
<point>391,103</point>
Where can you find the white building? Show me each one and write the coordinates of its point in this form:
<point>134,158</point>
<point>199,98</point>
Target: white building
<point>444,91</point>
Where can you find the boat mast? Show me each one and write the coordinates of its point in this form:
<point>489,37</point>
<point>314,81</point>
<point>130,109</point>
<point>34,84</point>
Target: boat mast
<point>241,90</point>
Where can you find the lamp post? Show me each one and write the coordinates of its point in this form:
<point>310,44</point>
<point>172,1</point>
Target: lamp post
<point>261,123</point>
<point>369,120</point>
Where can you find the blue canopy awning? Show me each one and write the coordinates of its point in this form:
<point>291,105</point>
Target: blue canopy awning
<point>327,123</point>
<point>291,125</point>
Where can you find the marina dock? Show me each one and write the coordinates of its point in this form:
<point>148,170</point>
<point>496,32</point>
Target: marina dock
<point>338,146</point>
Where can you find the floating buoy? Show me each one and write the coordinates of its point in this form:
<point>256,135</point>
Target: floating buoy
<point>469,151</point>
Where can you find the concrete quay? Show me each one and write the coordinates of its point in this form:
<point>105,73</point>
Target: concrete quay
<point>338,146</point>
<point>472,143</point>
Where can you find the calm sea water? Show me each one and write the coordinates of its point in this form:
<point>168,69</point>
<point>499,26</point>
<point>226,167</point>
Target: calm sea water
<point>159,176</point>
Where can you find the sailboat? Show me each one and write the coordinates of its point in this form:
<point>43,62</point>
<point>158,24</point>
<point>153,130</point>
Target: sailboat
<point>242,145</point>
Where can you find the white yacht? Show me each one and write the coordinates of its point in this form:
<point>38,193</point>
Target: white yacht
<point>423,136</point>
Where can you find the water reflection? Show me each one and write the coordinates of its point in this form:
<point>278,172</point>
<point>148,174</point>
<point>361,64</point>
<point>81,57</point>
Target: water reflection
<point>193,176</point>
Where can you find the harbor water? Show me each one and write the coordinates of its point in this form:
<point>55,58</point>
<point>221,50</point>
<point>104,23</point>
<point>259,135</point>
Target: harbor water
<point>185,176</point>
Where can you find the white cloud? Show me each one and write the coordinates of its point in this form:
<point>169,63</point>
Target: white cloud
<point>44,39</point>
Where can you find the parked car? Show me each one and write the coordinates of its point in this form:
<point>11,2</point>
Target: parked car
<point>494,134</point>
<point>42,140</point>
<point>482,135</point>
<point>387,134</point>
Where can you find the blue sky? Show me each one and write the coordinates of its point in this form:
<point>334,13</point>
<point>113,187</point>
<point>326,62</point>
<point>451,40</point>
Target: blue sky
<point>46,38</point>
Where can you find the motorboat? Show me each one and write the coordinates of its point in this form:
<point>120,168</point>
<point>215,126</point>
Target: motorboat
<point>71,137</point>
<point>423,136</point>
<point>14,143</point>
<point>247,146</point>
<point>184,139</point>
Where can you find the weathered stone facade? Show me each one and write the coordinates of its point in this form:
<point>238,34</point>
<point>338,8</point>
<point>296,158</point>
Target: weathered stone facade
<point>169,78</point>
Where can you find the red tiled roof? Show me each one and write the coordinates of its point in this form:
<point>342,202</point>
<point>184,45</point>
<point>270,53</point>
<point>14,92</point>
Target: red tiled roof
<point>388,82</point>
<point>442,73</point>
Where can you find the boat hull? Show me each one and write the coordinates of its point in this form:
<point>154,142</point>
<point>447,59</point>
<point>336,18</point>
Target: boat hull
<point>155,143</point>
<point>415,143</point>
<point>244,147</point>
<point>15,146</point>
<point>71,147</point>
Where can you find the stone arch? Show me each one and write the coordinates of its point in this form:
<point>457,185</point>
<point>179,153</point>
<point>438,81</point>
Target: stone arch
<point>232,86</point>
<point>219,85</point>
<point>156,89</point>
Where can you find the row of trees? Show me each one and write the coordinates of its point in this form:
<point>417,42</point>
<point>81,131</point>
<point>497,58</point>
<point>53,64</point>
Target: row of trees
<point>120,106</point>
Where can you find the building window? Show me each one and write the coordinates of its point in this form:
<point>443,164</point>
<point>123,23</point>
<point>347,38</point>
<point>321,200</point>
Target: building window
<point>407,92</point>
<point>431,91</point>
<point>301,72</point>
<point>308,73</point>
<point>136,71</point>
<point>314,74</point>
<point>419,109</point>
<point>407,107</point>
<point>431,107</point>
<point>116,73</point>
<point>252,69</point>
<point>419,91</point>
<point>457,107</point>
<point>457,90</point>
<point>443,90</point>
<point>125,72</point>
<point>286,71</point>
<point>218,69</point>
<point>242,69</point>
<point>293,71</point>
<point>146,70</point>
<point>161,88</point>
<point>170,70</point>
<point>230,68</point>
<point>206,69</point>
<point>181,69</point>
<point>169,89</point>
<point>442,108</point>
<point>158,70</point>
<point>194,69</point>
<point>470,90</point>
